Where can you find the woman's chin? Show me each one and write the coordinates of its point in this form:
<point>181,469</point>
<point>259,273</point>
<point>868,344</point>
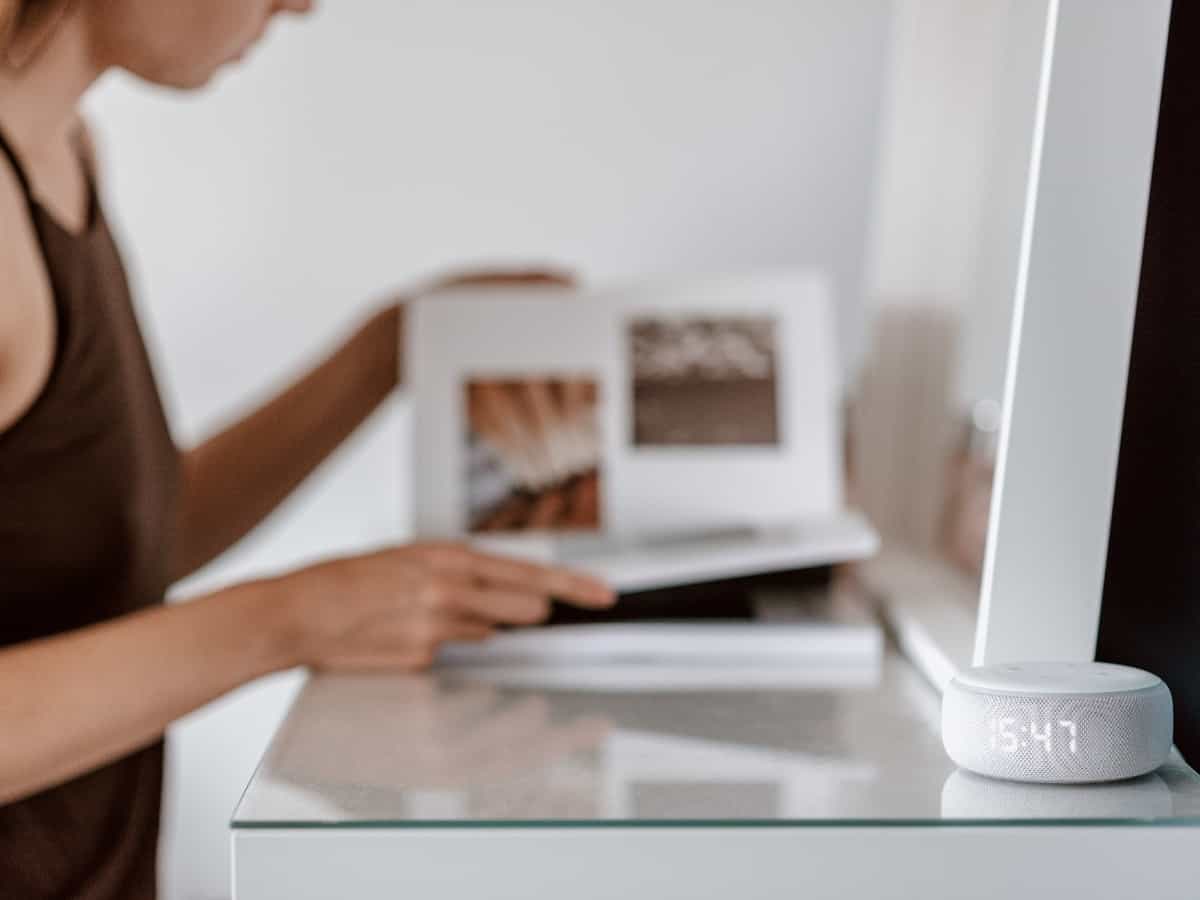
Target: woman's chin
<point>194,77</point>
<point>177,79</point>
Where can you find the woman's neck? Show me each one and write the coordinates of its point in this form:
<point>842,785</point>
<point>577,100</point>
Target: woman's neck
<point>39,103</point>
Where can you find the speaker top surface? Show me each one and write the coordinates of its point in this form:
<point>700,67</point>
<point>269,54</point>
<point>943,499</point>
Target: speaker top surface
<point>1056,678</point>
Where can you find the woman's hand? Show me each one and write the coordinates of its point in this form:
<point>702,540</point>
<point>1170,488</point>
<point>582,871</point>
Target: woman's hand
<point>498,278</point>
<point>393,309</point>
<point>388,323</point>
<point>392,609</point>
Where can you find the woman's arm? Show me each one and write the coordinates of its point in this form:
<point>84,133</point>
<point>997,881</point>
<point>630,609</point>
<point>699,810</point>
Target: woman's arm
<point>74,702</point>
<point>235,479</point>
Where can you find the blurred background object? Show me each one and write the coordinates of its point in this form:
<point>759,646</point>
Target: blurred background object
<point>704,382</point>
<point>920,468</point>
<point>902,426</point>
<point>379,143</point>
<point>533,455</point>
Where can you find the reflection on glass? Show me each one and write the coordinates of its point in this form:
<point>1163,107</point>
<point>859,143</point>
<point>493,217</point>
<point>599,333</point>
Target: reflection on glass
<point>454,750</point>
<point>969,796</point>
<point>453,747</point>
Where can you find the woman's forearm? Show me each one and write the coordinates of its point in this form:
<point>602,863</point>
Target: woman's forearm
<point>234,480</point>
<point>77,701</point>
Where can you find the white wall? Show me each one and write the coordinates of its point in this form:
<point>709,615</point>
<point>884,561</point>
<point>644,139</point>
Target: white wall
<point>958,115</point>
<point>381,141</point>
<point>934,150</point>
<point>958,112</point>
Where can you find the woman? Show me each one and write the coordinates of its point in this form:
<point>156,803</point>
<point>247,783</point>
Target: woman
<point>99,513</point>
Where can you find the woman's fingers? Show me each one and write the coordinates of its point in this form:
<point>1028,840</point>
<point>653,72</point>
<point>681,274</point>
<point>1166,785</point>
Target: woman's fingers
<point>406,644</point>
<point>435,626</point>
<point>469,629</point>
<point>526,577</point>
<point>507,278</point>
<point>353,660</point>
<point>502,606</point>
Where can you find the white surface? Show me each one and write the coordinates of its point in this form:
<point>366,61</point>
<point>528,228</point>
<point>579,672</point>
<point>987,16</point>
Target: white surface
<point>210,755</point>
<point>817,742</point>
<point>634,564</point>
<point>930,608</point>
<point>1072,327</point>
<point>643,489</point>
<point>1056,678</point>
<point>379,141</point>
<point>841,673</point>
<point>968,796</point>
<point>984,863</point>
<point>470,755</point>
<point>724,644</point>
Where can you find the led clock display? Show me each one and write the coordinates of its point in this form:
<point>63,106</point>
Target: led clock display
<point>1007,735</point>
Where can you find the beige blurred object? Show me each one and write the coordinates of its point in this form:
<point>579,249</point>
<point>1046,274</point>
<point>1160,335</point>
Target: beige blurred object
<point>904,434</point>
<point>970,474</point>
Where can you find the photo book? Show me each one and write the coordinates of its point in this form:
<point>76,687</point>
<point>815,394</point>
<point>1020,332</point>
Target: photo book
<point>659,434</point>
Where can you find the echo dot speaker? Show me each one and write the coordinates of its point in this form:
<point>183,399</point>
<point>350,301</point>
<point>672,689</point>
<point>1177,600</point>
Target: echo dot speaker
<point>1058,723</point>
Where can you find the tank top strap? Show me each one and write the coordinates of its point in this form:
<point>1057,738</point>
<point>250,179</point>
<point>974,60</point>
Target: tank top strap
<point>79,144</point>
<point>6,149</point>
<point>87,164</point>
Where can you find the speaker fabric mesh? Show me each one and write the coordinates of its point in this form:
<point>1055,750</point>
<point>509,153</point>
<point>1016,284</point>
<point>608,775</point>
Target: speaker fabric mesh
<point>1118,735</point>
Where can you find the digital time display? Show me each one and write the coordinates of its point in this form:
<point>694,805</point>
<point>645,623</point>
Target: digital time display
<point>1009,735</point>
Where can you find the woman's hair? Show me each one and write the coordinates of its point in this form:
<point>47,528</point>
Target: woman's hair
<point>26,26</point>
<point>10,17</point>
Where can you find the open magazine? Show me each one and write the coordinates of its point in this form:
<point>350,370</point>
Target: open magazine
<point>659,435</point>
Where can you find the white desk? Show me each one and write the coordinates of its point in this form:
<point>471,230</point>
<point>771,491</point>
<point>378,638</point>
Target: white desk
<point>830,783</point>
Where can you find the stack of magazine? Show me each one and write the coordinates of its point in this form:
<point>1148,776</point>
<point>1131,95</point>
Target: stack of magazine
<point>680,439</point>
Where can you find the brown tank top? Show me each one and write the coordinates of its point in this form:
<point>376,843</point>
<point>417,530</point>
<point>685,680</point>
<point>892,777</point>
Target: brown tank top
<point>89,482</point>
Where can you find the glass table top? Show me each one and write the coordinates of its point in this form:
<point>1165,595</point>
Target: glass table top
<point>608,746</point>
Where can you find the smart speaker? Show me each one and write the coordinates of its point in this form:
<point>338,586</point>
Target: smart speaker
<point>1056,722</point>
